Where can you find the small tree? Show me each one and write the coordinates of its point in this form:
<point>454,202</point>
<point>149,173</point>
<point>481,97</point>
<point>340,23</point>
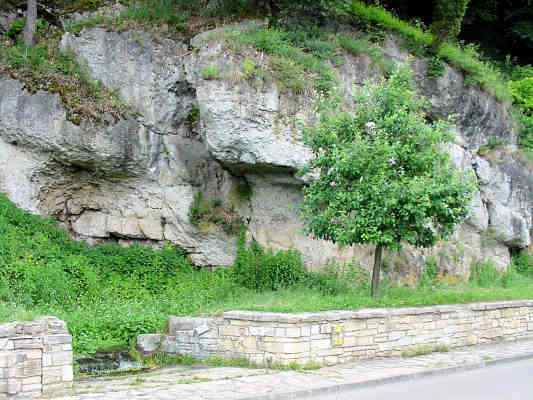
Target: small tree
<point>31,23</point>
<point>384,176</point>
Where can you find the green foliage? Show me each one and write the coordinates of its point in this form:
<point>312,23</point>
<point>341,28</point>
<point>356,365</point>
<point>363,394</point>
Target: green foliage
<point>249,68</point>
<point>16,28</point>
<point>384,178</point>
<point>435,67</point>
<point>478,72</point>
<point>210,72</point>
<point>448,18</point>
<point>336,279</point>
<point>296,69</point>
<point>465,58</point>
<point>363,46</point>
<point>45,67</point>
<point>522,91</point>
<point>523,263</point>
<point>484,274</point>
<point>370,15</point>
<point>205,212</point>
<point>274,9</point>
<point>521,87</point>
<point>422,350</point>
<point>169,17</point>
<point>194,116</point>
<point>109,294</point>
<point>429,273</point>
<point>259,269</point>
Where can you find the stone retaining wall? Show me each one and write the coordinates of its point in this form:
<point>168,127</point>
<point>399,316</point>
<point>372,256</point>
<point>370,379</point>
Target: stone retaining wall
<point>35,358</point>
<point>334,337</point>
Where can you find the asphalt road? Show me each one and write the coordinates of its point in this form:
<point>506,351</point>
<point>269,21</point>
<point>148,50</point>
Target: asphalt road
<point>510,381</point>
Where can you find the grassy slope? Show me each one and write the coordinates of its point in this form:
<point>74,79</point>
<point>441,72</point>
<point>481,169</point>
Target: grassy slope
<point>109,294</point>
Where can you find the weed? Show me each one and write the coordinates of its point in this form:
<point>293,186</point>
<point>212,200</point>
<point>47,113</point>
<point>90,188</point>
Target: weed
<point>260,269</point>
<point>211,72</point>
<point>45,67</point>
<point>363,46</point>
<point>16,28</point>
<point>423,350</point>
<point>466,58</point>
<point>493,143</point>
<point>484,274</point>
<point>435,67</point>
<point>193,118</point>
<point>430,273</point>
<point>205,212</point>
<point>248,68</point>
<point>296,70</point>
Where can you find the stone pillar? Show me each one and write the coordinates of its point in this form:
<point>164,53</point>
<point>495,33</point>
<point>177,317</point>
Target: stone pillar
<point>35,358</point>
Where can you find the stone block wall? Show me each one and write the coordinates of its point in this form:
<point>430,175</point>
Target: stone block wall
<point>35,358</point>
<point>329,338</point>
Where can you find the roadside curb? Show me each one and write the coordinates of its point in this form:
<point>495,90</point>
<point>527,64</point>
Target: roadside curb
<point>344,387</point>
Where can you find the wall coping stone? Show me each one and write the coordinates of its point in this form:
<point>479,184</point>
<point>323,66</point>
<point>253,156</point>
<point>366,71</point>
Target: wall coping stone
<point>369,313</point>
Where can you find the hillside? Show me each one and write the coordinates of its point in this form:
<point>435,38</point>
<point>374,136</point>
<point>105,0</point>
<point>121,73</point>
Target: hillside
<point>135,124</point>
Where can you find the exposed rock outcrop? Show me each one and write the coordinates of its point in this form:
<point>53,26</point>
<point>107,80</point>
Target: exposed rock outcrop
<point>136,180</point>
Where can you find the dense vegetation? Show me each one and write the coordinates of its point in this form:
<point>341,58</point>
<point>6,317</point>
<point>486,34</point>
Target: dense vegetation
<point>109,294</point>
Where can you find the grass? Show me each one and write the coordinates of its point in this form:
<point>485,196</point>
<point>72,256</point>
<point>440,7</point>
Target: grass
<point>467,59</point>
<point>160,360</point>
<point>298,54</point>
<point>298,64</point>
<point>210,72</point>
<point>45,67</point>
<point>424,350</point>
<point>163,17</point>
<point>108,294</point>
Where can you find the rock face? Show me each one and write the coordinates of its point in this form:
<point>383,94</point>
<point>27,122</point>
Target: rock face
<point>137,180</point>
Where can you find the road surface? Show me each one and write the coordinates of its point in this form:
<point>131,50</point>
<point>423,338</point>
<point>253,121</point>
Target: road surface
<point>510,381</point>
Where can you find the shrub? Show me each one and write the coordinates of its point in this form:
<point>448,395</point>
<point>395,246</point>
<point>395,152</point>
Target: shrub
<point>16,28</point>
<point>211,72</point>
<point>419,41</point>
<point>485,274</point>
<point>430,273</point>
<point>248,68</point>
<point>523,263</point>
<point>204,212</point>
<point>258,269</point>
<point>295,67</point>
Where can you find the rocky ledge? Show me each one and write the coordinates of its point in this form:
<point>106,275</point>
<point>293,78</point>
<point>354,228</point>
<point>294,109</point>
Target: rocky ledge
<point>136,180</point>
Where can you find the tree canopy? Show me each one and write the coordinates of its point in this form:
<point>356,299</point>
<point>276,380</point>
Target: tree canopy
<point>384,175</point>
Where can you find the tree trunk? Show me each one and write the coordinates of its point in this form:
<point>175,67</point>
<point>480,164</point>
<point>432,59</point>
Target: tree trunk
<point>378,260</point>
<point>31,22</point>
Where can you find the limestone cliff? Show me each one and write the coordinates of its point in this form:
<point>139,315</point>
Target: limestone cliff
<point>136,179</point>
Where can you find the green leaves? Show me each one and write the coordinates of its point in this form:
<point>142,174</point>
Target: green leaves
<point>384,177</point>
